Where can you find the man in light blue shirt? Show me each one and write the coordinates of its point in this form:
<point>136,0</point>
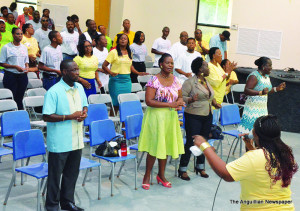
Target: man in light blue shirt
<point>219,40</point>
<point>65,108</point>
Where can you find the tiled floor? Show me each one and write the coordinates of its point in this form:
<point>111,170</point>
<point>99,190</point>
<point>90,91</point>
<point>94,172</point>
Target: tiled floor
<point>196,194</point>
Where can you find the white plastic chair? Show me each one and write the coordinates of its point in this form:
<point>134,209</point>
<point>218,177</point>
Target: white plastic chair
<point>29,103</point>
<point>106,89</point>
<point>130,97</point>
<point>1,80</point>
<point>136,87</point>
<point>148,58</point>
<point>36,92</point>
<point>8,105</point>
<point>141,95</point>
<point>6,94</point>
<point>34,83</point>
<point>144,78</point>
<point>240,88</point>
<point>32,75</point>
<point>152,71</point>
<point>106,99</point>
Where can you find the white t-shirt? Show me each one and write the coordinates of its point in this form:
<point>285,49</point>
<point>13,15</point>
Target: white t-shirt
<point>65,29</point>
<point>184,63</point>
<point>35,25</point>
<point>52,57</point>
<point>70,42</point>
<point>14,55</point>
<point>139,52</point>
<point>160,45</point>
<point>42,37</point>
<point>176,51</point>
<point>101,56</point>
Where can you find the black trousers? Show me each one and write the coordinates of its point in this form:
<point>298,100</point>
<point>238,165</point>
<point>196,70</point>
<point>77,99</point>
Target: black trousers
<point>17,84</point>
<point>65,164</point>
<point>194,125</point>
<point>139,66</point>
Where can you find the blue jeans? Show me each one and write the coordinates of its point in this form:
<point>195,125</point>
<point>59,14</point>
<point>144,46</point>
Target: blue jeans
<point>49,80</point>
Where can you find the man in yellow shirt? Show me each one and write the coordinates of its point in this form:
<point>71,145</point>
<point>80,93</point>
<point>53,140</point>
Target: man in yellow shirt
<point>201,45</point>
<point>130,34</point>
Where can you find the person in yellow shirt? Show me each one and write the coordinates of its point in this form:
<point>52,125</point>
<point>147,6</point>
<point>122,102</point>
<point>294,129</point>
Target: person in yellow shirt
<point>88,67</point>
<point>32,45</point>
<point>265,180</point>
<point>126,30</point>
<point>232,80</point>
<point>121,67</point>
<point>201,45</point>
<point>217,76</point>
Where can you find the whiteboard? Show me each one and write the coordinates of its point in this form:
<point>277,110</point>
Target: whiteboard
<point>58,13</point>
<point>259,42</point>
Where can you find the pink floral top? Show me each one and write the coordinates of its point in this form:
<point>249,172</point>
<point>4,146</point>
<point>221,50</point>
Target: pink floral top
<point>167,94</point>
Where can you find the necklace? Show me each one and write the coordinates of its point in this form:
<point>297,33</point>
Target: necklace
<point>202,82</point>
<point>262,74</point>
<point>164,76</point>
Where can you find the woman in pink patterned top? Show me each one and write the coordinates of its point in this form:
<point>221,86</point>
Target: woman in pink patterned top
<point>161,134</point>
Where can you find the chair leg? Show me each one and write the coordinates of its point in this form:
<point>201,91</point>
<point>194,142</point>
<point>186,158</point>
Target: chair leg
<point>176,162</point>
<point>27,162</point>
<point>135,173</point>
<point>235,146</point>
<point>99,184</point>
<point>10,185</point>
<point>22,175</point>
<point>85,176</point>
<point>140,160</point>
<point>151,177</point>
<point>221,149</point>
<point>91,151</point>
<point>170,160</point>
<point>121,167</point>
<point>45,188</point>
<point>241,145</point>
<point>112,178</point>
<point>38,195</point>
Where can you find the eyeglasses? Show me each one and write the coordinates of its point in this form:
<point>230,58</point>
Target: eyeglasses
<point>87,46</point>
<point>44,20</point>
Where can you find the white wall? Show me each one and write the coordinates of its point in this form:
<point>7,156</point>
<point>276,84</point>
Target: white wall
<point>274,15</point>
<point>116,17</point>
<point>150,16</point>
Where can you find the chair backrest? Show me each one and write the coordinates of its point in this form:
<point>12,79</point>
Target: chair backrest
<point>128,97</point>
<point>136,87</point>
<point>133,125</point>
<point>34,83</point>
<point>6,94</point>
<point>33,101</point>
<point>216,116</point>
<point>148,58</point>
<point>144,78</point>
<point>99,98</point>
<point>152,71</point>
<point>130,108</point>
<point>141,95</point>
<point>32,75</point>
<point>1,76</point>
<point>101,131</point>
<point>28,143</point>
<point>230,115</point>
<point>36,92</point>
<point>96,112</point>
<point>106,89</point>
<point>238,88</point>
<point>8,105</point>
<point>14,121</point>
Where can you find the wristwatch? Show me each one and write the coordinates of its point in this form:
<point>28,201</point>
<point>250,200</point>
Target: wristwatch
<point>226,74</point>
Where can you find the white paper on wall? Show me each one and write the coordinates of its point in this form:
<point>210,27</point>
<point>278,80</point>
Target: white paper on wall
<point>58,13</point>
<point>257,42</point>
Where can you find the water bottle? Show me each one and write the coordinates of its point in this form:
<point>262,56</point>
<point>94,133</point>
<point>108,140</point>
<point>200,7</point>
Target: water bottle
<point>123,148</point>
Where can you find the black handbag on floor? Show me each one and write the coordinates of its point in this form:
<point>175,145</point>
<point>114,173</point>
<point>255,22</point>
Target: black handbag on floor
<point>216,133</point>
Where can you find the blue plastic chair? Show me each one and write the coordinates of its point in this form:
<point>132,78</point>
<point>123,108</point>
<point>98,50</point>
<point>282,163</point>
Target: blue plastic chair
<point>104,130</point>
<point>26,144</point>
<point>12,122</point>
<point>230,115</point>
<point>133,126</point>
<point>129,108</point>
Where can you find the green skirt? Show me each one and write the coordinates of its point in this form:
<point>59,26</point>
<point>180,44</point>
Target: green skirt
<point>120,84</point>
<point>161,134</point>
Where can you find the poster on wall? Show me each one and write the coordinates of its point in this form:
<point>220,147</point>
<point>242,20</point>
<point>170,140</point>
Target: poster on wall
<point>58,13</point>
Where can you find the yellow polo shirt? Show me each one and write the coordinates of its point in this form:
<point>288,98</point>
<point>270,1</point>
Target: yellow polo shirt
<point>119,64</point>
<point>200,50</point>
<point>31,44</point>
<point>232,77</point>
<point>215,79</point>
<point>87,66</point>
<point>130,37</point>
<point>256,190</point>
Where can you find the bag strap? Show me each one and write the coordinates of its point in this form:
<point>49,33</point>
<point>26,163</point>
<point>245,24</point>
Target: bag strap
<point>116,137</point>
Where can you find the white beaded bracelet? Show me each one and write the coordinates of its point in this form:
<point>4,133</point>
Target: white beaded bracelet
<point>274,88</point>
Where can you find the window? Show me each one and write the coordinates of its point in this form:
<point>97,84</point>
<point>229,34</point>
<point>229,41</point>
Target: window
<point>25,3</point>
<point>214,13</point>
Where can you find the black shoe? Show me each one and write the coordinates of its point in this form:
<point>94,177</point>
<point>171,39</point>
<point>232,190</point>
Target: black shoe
<point>71,206</point>
<point>180,175</point>
<point>202,172</point>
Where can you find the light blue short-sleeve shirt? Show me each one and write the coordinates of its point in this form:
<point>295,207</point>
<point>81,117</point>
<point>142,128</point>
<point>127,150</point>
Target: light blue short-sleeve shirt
<point>215,41</point>
<point>61,99</point>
